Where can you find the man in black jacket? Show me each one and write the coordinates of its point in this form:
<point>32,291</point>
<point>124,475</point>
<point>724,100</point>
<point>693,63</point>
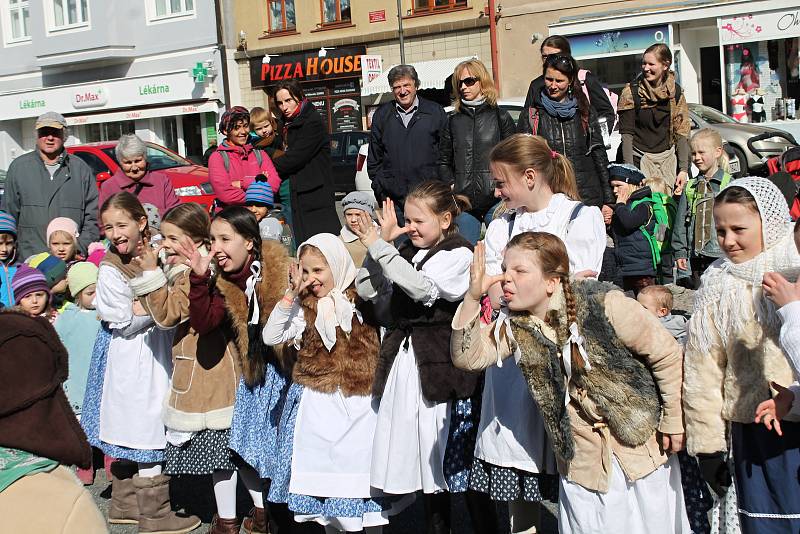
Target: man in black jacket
<point>404,142</point>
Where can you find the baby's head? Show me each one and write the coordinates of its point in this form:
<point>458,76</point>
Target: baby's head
<point>8,237</point>
<point>259,199</point>
<point>62,238</point>
<point>82,280</point>
<point>656,299</point>
<point>353,204</point>
<point>31,292</point>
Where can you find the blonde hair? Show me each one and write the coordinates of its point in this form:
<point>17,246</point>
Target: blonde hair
<point>661,294</point>
<point>656,184</point>
<point>712,136</point>
<point>259,115</point>
<point>440,199</point>
<point>524,151</point>
<point>478,70</point>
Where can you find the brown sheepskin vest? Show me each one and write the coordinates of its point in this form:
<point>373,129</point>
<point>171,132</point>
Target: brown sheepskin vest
<point>428,327</point>
<point>350,365</point>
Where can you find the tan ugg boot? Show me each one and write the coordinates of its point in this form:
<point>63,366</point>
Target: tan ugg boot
<point>155,514</point>
<point>124,508</point>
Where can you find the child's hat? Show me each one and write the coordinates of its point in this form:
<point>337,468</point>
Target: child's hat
<point>359,200</point>
<point>27,280</point>
<point>7,224</point>
<point>80,276</point>
<point>62,224</point>
<point>259,193</point>
<point>625,172</point>
<point>97,252</point>
<point>54,268</point>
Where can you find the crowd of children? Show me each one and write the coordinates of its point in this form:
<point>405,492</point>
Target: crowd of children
<point>392,360</point>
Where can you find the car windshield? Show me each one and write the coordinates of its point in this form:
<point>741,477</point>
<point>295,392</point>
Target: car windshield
<point>711,115</point>
<point>158,159</point>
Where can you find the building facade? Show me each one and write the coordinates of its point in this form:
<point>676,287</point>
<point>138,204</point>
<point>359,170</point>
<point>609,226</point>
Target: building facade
<point>150,67</point>
<point>341,50</point>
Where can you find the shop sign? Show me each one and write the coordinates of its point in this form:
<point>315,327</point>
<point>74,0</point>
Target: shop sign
<point>148,89</point>
<point>617,42</point>
<point>32,103</point>
<point>377,16</point>
<point>346,115</point>
<point>760,26</point>
<point>90,97</point>
<point>338,63</point>
<point>371,68</point>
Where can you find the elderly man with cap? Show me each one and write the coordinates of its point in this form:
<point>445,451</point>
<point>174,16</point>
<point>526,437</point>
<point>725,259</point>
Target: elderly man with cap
<point>49,183</point>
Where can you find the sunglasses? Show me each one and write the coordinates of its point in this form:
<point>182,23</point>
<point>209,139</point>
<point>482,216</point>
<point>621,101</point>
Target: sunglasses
<point>469,82</point>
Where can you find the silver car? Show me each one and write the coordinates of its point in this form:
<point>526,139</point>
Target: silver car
<point>737,133</point>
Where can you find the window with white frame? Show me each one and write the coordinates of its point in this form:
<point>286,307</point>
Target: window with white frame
<point>68,13</point>
<point>16,21</point>
<point>171,8</point>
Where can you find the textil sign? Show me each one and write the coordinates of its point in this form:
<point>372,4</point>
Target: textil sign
<point>760,26</point>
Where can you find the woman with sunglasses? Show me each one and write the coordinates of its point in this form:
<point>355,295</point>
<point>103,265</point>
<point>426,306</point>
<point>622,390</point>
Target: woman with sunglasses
<point>654,120</point>
<point>561,114</point>
<point>557,45</point>
<point>476,125</point>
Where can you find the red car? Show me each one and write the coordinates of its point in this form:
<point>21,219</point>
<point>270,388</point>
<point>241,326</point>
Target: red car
<point>189,179</point>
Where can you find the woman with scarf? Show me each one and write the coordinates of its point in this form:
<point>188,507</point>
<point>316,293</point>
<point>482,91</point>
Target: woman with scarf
<point>654,120</point>
<point>561,114</point>
<point>733,353</point>
<point>307,163</point>
<point>476,125</point>
<point>235,163</point>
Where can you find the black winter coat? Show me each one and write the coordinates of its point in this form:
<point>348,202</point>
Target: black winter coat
<point>307,163</point>
<point>597,97</point>
<point>464,152</point>
<point>631,248</point>
<point>400,157</point>
<point>584,149</point>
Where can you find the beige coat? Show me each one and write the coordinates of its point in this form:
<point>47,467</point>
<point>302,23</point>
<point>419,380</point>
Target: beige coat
<point>52,503</point>
<point>644,336</point>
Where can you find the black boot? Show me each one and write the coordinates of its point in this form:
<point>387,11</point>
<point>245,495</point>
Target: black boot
<point>437,512</point>
<point>482,512</point>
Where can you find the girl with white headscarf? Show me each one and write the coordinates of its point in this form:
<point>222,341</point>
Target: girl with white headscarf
<point>330,427</point>
<point>733,354</point>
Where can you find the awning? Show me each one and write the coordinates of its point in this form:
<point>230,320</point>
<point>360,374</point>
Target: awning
<point>143,113</point>
<point>432,75</point>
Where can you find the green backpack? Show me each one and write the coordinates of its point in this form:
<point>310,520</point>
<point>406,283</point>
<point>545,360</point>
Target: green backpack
<point>663,209</point>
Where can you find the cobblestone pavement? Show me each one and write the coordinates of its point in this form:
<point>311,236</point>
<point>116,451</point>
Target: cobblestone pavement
<point>195,494</point>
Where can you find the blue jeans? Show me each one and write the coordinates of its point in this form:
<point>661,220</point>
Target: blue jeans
<point>469,227</point>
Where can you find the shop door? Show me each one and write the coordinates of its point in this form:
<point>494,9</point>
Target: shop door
<point>711,78</point>
<point>193,138</point>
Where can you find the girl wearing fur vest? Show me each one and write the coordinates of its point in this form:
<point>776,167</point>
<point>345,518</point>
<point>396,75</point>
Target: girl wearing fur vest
<point>337,344</point>
<point>425,434</point>
<point>605,375</point>
<point>221,354</point>
<point>733,353</point>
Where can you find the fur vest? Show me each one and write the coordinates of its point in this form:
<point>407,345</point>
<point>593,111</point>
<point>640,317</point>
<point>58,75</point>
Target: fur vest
<point>620,385</point>
<point>429,330</point>
<point>350,365</point>
<point>251,351</point>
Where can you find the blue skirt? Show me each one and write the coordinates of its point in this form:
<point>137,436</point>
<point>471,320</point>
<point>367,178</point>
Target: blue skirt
<point>256,416</point>
<point>767,485</point>
<point>90,416</point>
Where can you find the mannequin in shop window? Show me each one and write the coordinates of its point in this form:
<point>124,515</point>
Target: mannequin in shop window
<point>755,104</point>
<point>739,105</point>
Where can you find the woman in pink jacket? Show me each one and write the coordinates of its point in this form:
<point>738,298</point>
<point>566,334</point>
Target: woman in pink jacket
<point>235,163</point>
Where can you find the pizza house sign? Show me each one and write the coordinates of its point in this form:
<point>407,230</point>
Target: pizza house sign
<point>306,66</point>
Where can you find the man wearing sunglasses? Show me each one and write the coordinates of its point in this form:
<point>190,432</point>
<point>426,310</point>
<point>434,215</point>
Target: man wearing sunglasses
<point>49,183</point>
<point>404,142</point>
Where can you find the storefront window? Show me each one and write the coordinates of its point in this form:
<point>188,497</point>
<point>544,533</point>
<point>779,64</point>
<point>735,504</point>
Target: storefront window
<point>108,131</point>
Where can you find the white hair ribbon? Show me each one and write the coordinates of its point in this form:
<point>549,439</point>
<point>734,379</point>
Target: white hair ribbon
<point>250,289</point>
<point>566,355</point>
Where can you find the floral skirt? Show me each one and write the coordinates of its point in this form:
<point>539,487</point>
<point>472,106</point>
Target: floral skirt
<point>510,484</point>
<point>205,453</point>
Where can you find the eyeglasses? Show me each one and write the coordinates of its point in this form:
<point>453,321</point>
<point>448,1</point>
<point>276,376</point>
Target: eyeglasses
<point>469,82</point>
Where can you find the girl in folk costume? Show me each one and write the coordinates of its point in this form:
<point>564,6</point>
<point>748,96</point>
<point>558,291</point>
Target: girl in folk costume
<point>425,432</point>
<point>129,378</point>
<point>606,377</point>
<point>333,422</point>
<point>732,354</point>
<point>223,353</point>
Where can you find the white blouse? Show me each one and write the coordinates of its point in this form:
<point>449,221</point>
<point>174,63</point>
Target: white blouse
<point>585,236</point>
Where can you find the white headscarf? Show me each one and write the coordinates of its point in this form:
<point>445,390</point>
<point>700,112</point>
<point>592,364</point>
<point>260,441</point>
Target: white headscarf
<point>334,309</point>
<point>727,286</point>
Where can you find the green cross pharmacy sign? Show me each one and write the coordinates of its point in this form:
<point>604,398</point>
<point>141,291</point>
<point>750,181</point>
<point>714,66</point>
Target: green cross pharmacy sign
<point>199,73</point>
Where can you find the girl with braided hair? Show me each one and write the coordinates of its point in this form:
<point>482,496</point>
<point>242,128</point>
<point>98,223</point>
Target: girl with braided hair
<point>606,380</point>
<point>236,163</point>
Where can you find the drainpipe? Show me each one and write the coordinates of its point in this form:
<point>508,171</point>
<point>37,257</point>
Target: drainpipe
<point>223,55</point>
<point>400,32</point>
<point>493,42</point>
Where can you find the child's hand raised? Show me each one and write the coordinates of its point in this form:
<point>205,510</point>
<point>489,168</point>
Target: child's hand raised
<point>479,281</point>
<point>296,283</point>
<point>771,411</point>
<point>188,253</point>
<point>365,230</point>
<point>390,229</point>
<point>779,290</point>
<point>147,260</point>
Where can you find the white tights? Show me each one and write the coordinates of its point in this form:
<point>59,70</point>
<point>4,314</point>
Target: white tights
<point>225,493</point>
<point>253,484</point>
<point>147,470</point>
